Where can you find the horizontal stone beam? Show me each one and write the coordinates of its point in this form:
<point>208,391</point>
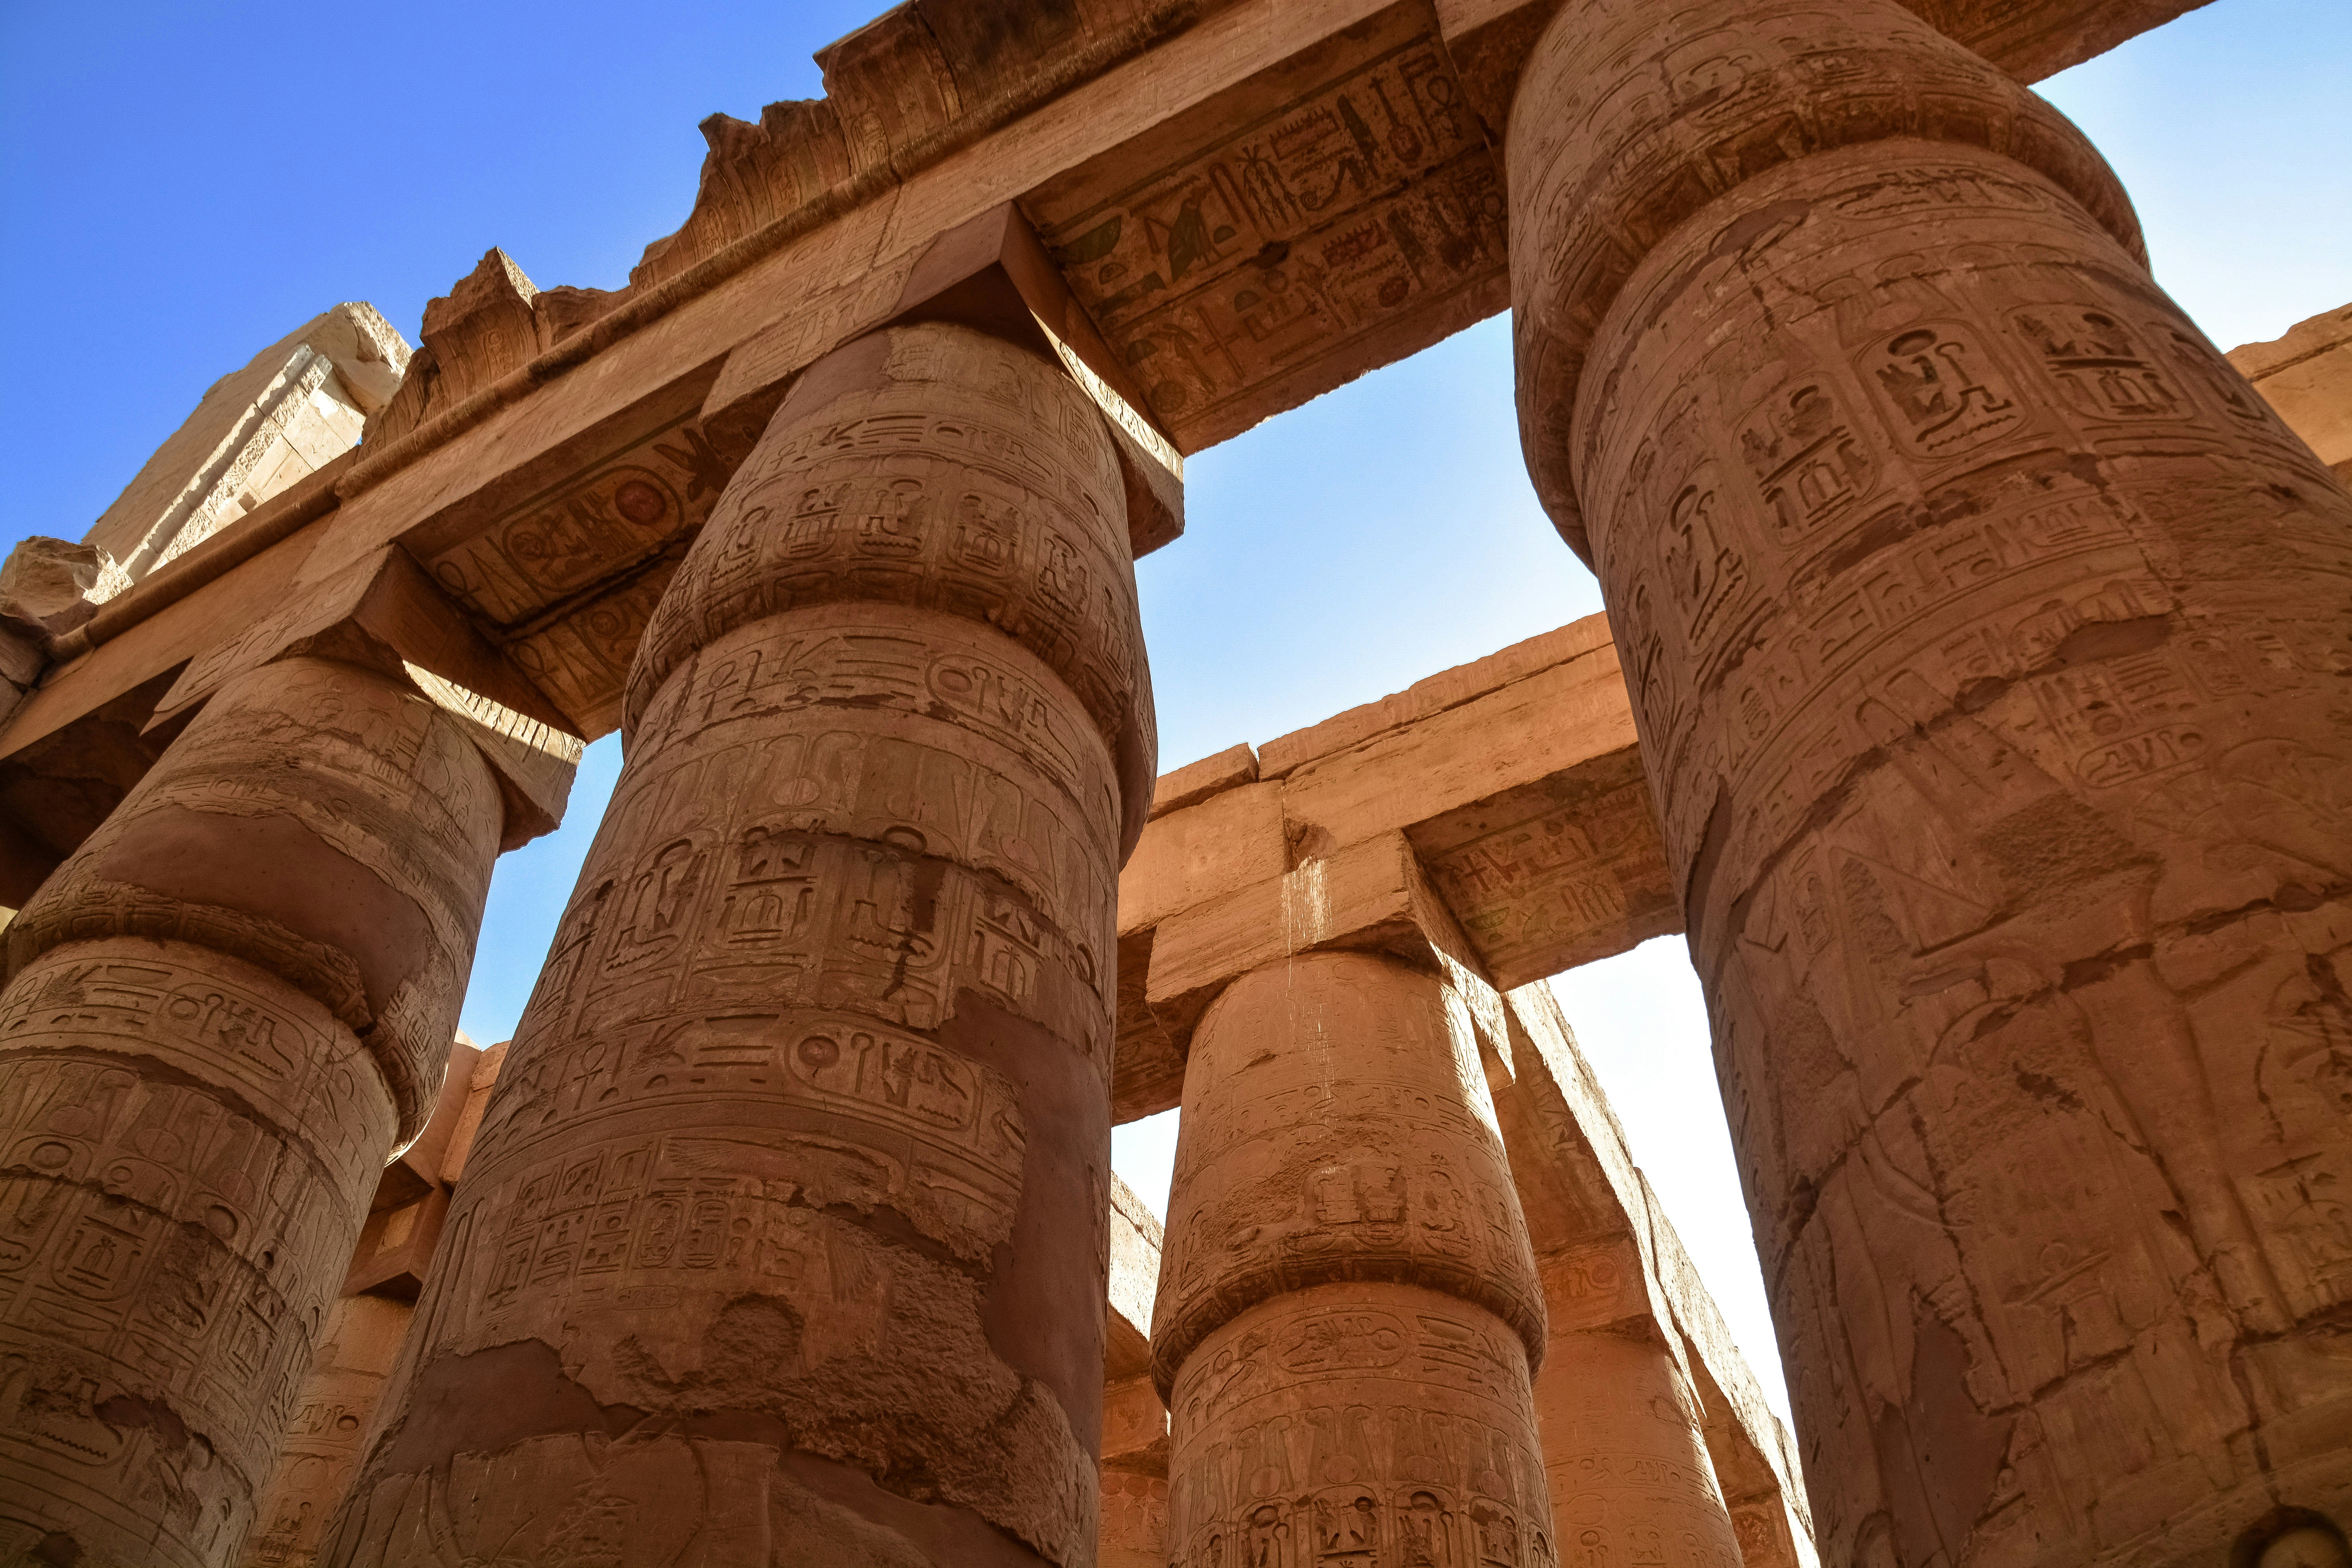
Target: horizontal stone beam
<point>1492,818</point>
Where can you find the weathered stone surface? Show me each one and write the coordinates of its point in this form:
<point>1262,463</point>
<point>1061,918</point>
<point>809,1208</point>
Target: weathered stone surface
<point>302,402</point>
<point>47,587</point>
<point>1656,1439</point>
<point>1348,1307</point>
<point>221,1014</point>
<point>190,1143</point>
<point>802,1143</point>
<point>1983,630</point>
<point>1135,1422</point>
<point>1502,801</point>
<point>323,823</point>
<point>491,323</point>
<point>2306,376</point>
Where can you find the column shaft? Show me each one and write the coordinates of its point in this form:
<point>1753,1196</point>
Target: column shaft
<point>222,1012</point>
<point>1347,1299</point>
<point>785,1231</point>
<point>1987,636</point>
<point>1626,1455</point>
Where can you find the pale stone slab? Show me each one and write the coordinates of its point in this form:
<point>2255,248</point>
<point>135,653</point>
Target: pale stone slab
<point>2307,375</point>
<point>298,404</point>
<point>1616,1276</point>
<point>1195,781</point>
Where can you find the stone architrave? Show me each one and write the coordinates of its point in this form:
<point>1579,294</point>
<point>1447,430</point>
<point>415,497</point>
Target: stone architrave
<point>222,1014</point>
<point>2307,375</point>
<point>1986,635</point>
<point>1348,1308</point>
<point>785,1227</point>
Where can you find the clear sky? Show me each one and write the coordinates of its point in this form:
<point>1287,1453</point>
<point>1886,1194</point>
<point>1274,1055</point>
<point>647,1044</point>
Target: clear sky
<point>182,185</point>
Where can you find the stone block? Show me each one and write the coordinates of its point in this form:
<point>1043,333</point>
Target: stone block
<point>47,587</point>
<point>1229,841</point>
<point>394,1253</point>
<point>1195,781</point>
<point>2306,376</point>
<point>295,407</point>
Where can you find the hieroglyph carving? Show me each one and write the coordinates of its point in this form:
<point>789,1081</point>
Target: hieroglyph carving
<point>801,1148</point>
<point>323,821</point>
<point>1358,1426</point>
<point>1360,192</point>
<point>1348,1304</point>
<point>183,1139</point>
<point>1983,630</point>
<point>223,1011</point>
<point>570,578</point>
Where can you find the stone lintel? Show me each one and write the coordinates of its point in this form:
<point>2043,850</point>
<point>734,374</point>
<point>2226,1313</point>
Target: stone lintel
<point>2306,376</point>
<point>1495,813</point>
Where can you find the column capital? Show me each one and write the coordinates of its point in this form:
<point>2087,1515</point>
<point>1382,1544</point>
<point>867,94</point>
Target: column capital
<point>1623,128</point>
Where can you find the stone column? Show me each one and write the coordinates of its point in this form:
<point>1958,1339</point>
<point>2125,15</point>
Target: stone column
<point>1987,638</point>
<point>1348,1306</point>
<point>223,1012</point>
<point>1624,1439</point>
<point>1630,1481</point>
<point>785,1228</point>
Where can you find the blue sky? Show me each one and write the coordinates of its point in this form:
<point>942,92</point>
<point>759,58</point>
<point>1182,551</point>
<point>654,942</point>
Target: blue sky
<point>182,185</point>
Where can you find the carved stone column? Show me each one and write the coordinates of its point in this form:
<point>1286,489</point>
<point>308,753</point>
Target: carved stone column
<point>785,1227</point>
<point>1623,1439</point>
<point>1348,1306</point>
<point>1987,637</point>
<point>223,1012</point>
